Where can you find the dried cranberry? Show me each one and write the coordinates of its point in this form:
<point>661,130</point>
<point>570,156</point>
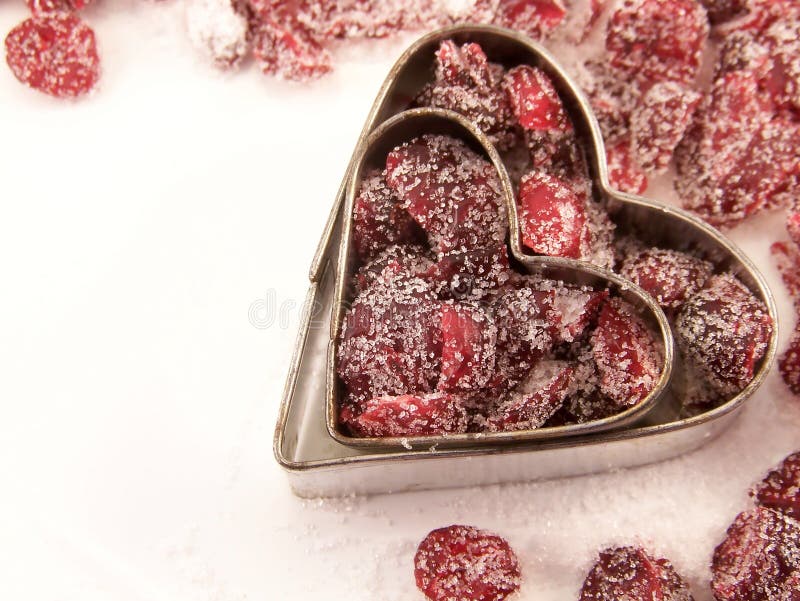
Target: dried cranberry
<point>289,51</point>
<point>468,84</point>
<point>669,276</point>
<point>657,40</point>
<point>552,217</point>
<point>394,264</point>
<point>471,274</point>
<point>659,121</point>
<point>46,6</point>
<point>626,353</point>
<point>631,573</point>
<point>548,130</point>
<point>789,363</point>
<point>409,415</point>
<point>623,172</point>
<point>780,489</point>
<point>450,191</point>
<point>787,258</point>
<point>464,563</point>
<point>724,330</point>
<point>759,558</point>
<point>535,400</point>
<point>54,53</point>
<point>535,18</point>
<point>469,338</point>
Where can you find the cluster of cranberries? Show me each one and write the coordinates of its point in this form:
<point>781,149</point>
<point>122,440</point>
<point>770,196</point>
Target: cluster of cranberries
<point>759,559</point>
<point>444,336</point>
<point>721,328</point>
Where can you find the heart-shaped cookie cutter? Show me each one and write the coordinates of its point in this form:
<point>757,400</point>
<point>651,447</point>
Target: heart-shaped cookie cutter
<point>410,124</point>
<point>318,465</point>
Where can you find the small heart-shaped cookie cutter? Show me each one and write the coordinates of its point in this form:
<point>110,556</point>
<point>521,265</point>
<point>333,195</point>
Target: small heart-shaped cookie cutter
<point>410,124</point>
<point>318,465</point>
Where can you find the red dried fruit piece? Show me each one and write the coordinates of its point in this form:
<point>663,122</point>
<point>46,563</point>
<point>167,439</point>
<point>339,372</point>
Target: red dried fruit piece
<point>289,51</point>
<point>780,489</point>
<point>782,39</point>
<point>219,31</point>
<point>55,54</point>
<point>469,339</point>
<point>393,264</point>
<point>539,111</point>
<point>724,330</point>
<point>631,573</point>
<point>787,258</point>
<point>378,219</point>
<point>552,217</point>
<point>535,18</point>
<point>468,84</point>
<point>657,40</point>
<point>789,363</point>
<point>669,276</point>
<point>38,7</point>
<point>577,309</point>
<point>464,563</point>
<point>659,121</point>
<point>470,275</point>
<point>626,353</point>
<point>759,558</point>
<point>450,191</point>
<point>623,172</point>
<point>535,400</point>
<point>734,157</point>
<point>409,415</point>
<point>390,342</point>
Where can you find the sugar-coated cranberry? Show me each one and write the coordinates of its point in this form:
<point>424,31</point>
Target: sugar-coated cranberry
<point>471,274</point>
<point>46,6</point>
<point>394,264</point>
<point>289,50</point>
<point>669,276</point>
<point>54,53</point>
<point>759,558</point>
<point>724,330</point>
<point>627,355</point>
<point>535,400</point>
<point>535,18</point>
<point>468,84</point>
<point>780,489</point>
<point>469,340</point>
<point>789,362</point>
<point>410,415</point>
<point>623,172</point>
<point>465,563</point>
<point>450,191</point>
<point>218,31</point>
<point>632,574</point>
<point>657,40</point>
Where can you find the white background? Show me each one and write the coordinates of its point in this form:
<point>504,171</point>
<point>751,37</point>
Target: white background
<point>137,226</point>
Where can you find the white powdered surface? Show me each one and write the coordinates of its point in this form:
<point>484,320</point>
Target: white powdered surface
<point>144,231</point>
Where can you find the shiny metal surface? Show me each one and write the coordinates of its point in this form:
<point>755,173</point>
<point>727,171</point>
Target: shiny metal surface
<point>319,465</point>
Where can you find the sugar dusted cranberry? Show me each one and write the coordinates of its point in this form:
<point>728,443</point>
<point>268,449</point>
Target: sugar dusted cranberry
<point>393,264</point>
<point>632,574</point>
<point>470,274</point>
<point>469,338</point>
<point>669,276</point>
<point>787,259</point>
<point>759,558</point>
<point>390,342</point>
<point>541,114</point>
<point>659,121</point>
<point>623,172</point>
<point>378,219</point>
<point>54,53</point>
<point>577,309</point>
<point>410,415</point>
<point>657,40</point>
<point>468,84</point>
<point>219,31</point>
<point>38,7</point>
<point>536,399</point>
<point>552,216</point>
<point>289,50</point>
<point>780,489</point>
<point>535,18</point>
<point>724,331</point>
<point>464,563</point>
<point>782,38</point>
<point>626,353</point>
<point>450,191</point>
<point>789,362</point>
